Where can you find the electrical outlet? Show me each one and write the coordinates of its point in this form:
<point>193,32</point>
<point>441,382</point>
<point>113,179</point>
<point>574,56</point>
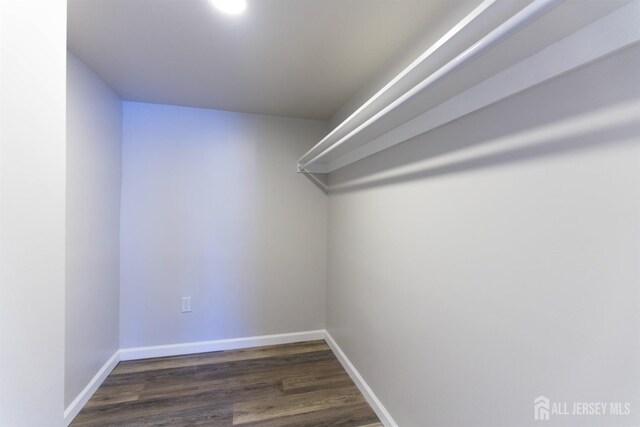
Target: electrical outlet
<point>186,304</point>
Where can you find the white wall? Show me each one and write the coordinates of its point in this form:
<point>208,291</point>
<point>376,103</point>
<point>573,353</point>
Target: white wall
<point>94,163</point>
<point>495,259</point>
<point>213,208</point>
<point>32,211</point>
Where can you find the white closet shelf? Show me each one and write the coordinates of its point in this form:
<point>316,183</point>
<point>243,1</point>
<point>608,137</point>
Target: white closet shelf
<point>501,63</point>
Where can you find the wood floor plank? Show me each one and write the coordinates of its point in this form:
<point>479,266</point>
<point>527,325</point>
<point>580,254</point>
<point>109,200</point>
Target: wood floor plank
<point>218,370</point>
<point>309,381</point>
<point>219,357</point>
<point>129,412</point>
<point>216,416</point>
<point>359,415</point>
<point>290,385</point>
<point>271,376</point>
<point>288,405</point>
<point>115,394</point>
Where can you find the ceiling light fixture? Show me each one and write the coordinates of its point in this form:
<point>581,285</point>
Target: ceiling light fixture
<point>230,7</point>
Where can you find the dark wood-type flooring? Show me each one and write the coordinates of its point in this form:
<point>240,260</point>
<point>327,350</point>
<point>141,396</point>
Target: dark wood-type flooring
<point>300,384</point>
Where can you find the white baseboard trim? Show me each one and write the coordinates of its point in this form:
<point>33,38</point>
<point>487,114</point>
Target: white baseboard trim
<point>378,407</point>
<point>135,353</point>
<point>83,397</point>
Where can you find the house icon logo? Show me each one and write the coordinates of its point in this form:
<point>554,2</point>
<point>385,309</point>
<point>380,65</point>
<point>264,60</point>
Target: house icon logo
<point>541,408</point>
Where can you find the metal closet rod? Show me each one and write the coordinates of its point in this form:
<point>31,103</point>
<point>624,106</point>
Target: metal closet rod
<point>521,19</point>
<point>450,34</point>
